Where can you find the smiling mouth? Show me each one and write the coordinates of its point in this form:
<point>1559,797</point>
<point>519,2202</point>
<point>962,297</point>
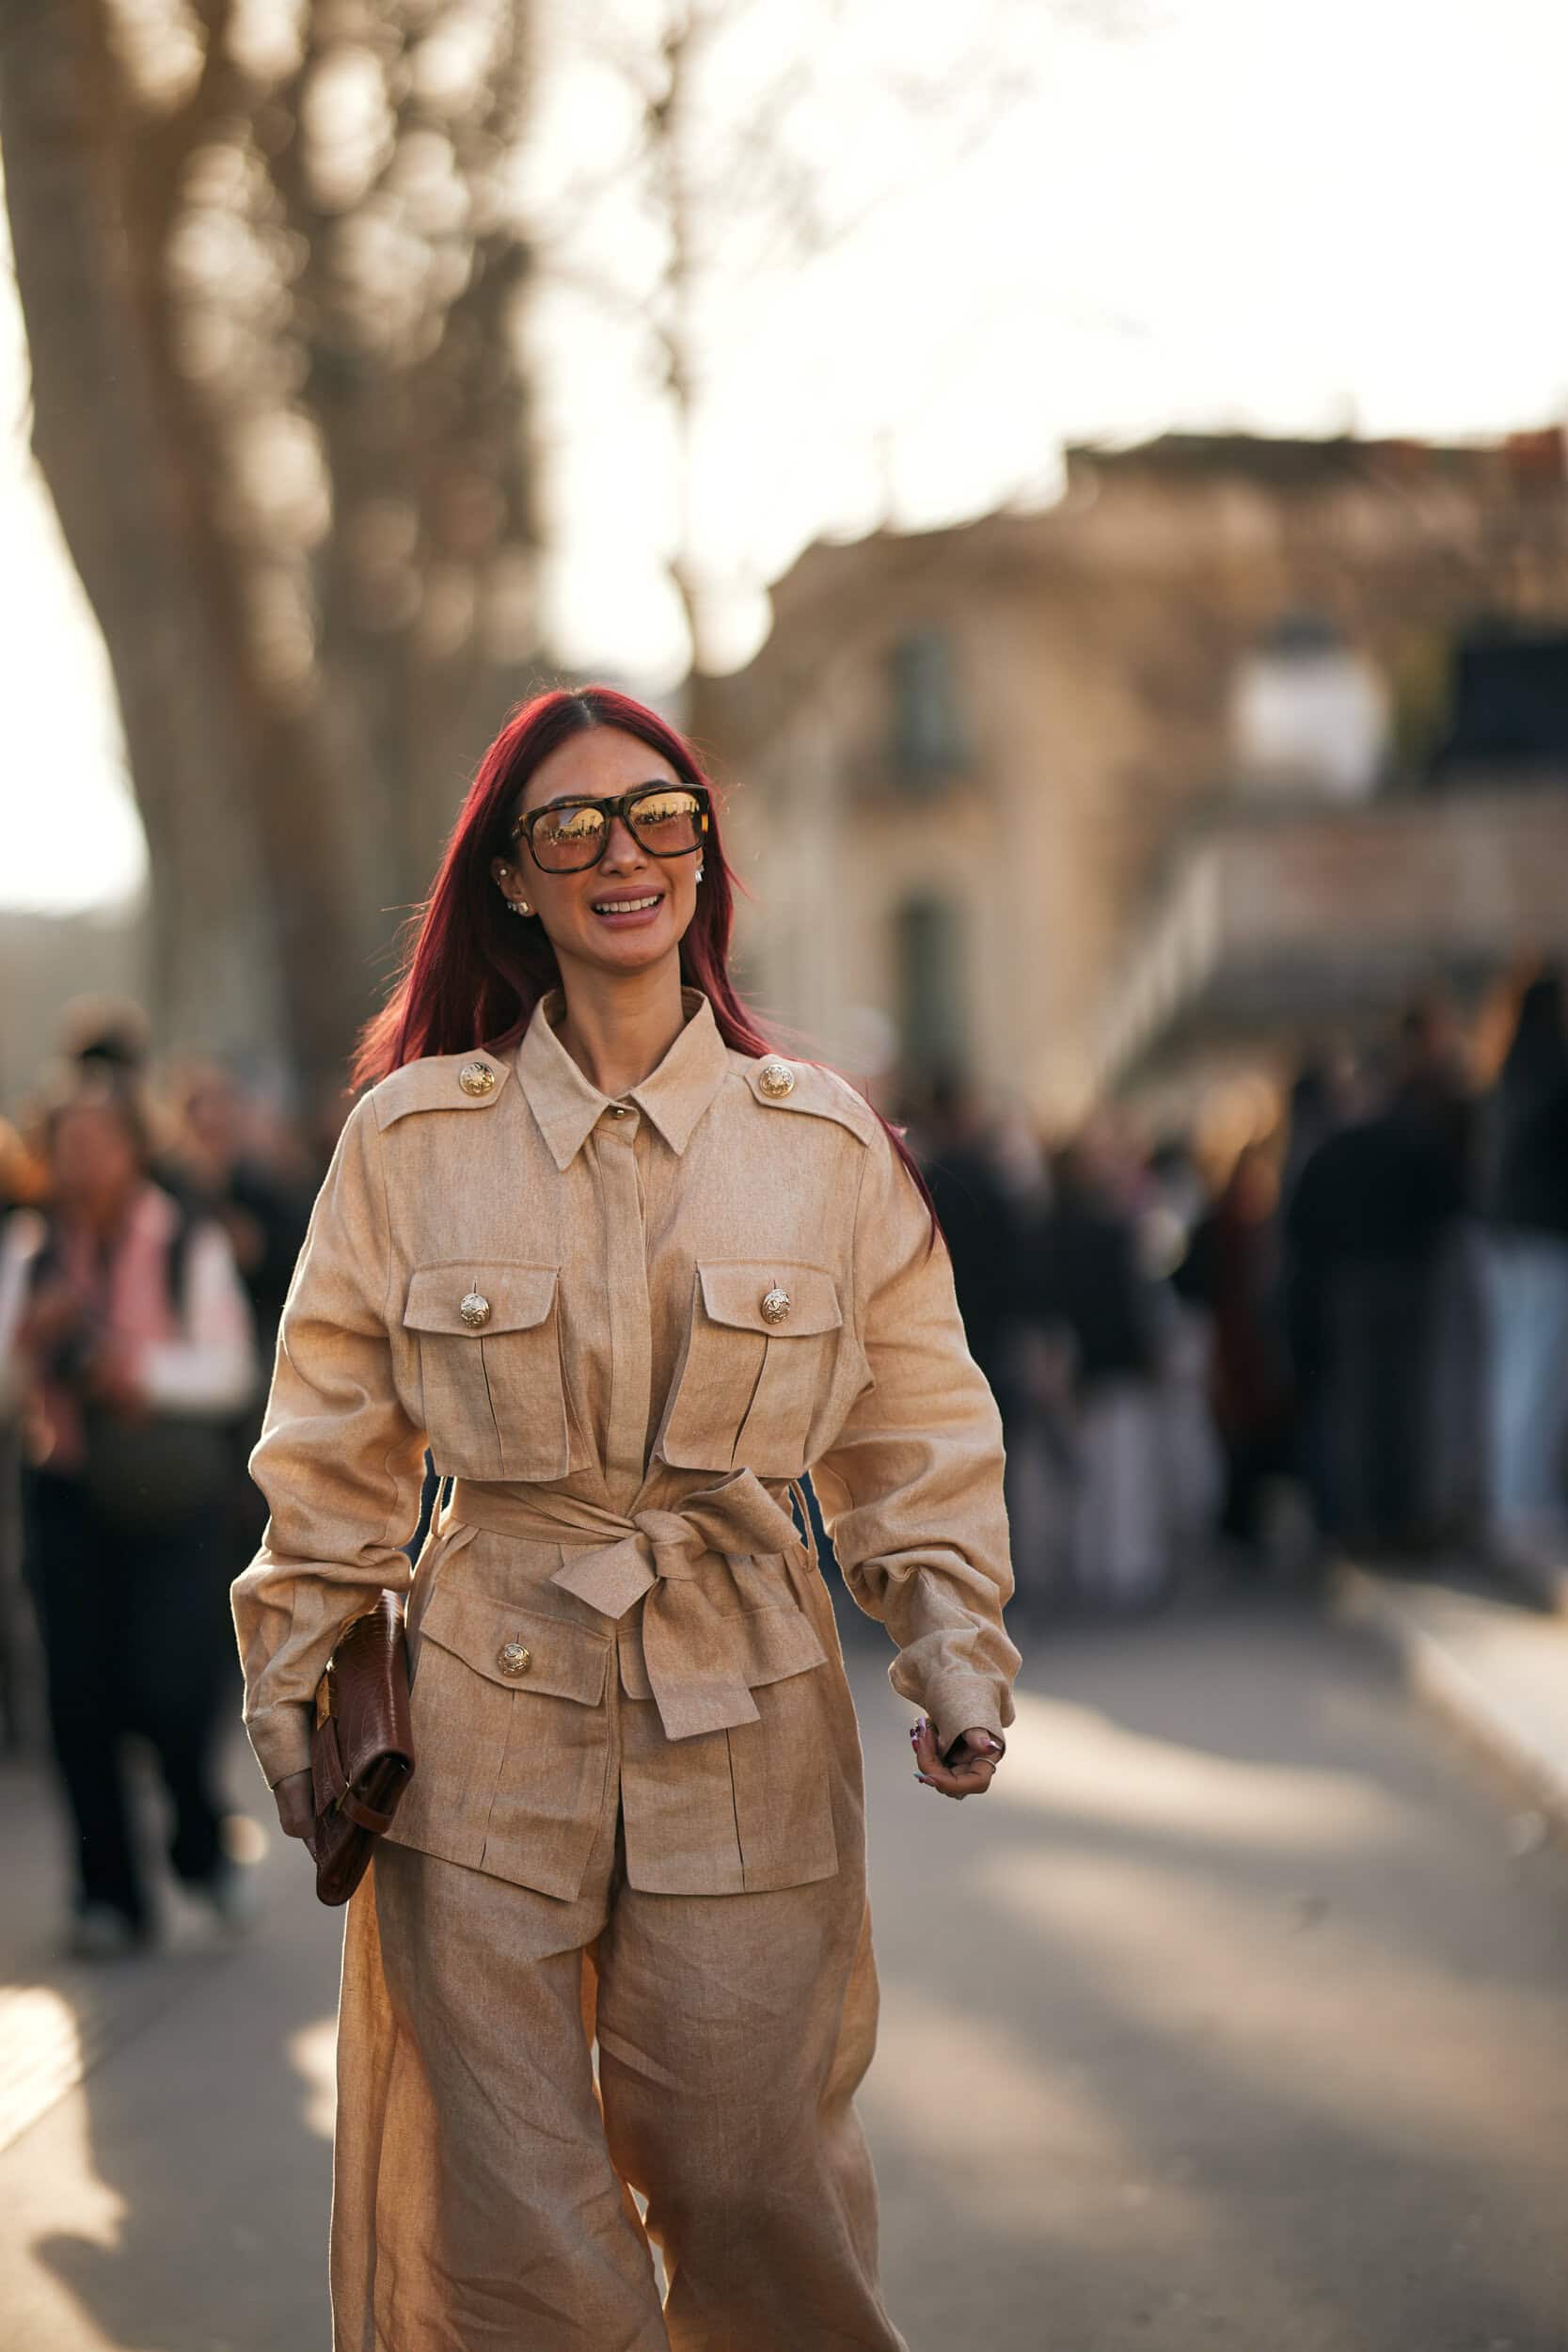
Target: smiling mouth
<point>628,906</point>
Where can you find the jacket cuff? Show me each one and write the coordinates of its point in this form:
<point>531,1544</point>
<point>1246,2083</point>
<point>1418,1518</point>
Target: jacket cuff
<point>280,1737</point>
<point>963,1702</point>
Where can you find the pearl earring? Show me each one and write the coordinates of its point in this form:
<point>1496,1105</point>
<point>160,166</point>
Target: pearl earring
<point>699,869</point>
<point>520,906</point>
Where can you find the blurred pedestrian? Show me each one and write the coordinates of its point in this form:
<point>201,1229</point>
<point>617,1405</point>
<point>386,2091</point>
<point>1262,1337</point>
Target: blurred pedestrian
<point>974,1209</point>
<point>1435,1092</point>
<point>264,1214</point>
<point>1081,1280</point>
<point>262,1210</point>
<point>124,1327</point>
<point>1365,1230</point>
<point>1526,1205</point>
<point>1231,1270</point>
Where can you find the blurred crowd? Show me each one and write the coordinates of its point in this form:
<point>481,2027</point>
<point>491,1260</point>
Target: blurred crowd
<point>1345,1335</point>
<point>150,1221</point>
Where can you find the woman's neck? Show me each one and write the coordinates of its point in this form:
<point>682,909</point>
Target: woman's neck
<point>620,1026</point>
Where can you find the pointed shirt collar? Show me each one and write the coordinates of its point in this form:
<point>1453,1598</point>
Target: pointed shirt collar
<point>568,1106</point>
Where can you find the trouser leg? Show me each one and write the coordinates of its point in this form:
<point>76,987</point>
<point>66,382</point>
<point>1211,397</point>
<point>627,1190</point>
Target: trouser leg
<point>177,1657</point>
<point>81,1605</point>
<point>475,2205</point>
<point>733,2032</point>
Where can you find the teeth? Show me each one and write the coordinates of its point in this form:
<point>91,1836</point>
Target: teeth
<point>624,906</point>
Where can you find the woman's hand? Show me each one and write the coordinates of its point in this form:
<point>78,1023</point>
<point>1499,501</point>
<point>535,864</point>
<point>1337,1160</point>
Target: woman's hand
<point>973,1759</point>
<point>296,1805</point>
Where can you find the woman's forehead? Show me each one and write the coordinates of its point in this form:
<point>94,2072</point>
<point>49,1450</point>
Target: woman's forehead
<point>598,763</point>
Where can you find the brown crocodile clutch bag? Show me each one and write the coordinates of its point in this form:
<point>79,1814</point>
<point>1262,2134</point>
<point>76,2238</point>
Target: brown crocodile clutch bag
<point>362,1749</point>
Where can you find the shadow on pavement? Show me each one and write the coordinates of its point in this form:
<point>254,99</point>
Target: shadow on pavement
<point>196,2145</point>
<point>1231,2020</point>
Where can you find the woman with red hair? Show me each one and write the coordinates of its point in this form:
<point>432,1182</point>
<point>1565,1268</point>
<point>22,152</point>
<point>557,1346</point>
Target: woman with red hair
<point>630,1277</point>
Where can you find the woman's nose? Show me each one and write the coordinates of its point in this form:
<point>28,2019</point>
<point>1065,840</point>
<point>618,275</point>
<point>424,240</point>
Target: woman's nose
<point>623,848</point>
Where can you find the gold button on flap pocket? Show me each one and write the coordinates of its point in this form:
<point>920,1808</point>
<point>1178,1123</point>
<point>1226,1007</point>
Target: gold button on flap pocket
<point>761,1358</point>
<point>511,1756</point>
<point>490,1373</point>
<point>476,1078</point>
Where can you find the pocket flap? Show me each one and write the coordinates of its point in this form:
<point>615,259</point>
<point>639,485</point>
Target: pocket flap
<point>565,1661</point>
<point>733,1290</point>
<point>519,1296</point>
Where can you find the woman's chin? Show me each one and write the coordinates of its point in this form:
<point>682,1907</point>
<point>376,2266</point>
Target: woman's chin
<point>627,952</point>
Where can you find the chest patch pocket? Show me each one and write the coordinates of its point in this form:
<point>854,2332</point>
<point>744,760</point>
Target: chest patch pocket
<point>491,1370</point>
<point>759,1359</point>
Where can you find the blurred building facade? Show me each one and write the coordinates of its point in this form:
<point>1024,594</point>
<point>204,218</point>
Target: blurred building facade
<point>1241,734</point>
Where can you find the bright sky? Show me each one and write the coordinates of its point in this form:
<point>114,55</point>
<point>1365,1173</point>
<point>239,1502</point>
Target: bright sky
<point>1292,218</point>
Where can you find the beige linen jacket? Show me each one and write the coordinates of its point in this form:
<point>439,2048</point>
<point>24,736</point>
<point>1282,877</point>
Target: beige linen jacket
<point>624,1328</point>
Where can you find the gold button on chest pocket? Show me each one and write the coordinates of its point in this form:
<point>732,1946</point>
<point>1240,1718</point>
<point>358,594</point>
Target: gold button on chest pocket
<point>486,1358</point>
<point>764,1359</point>
<point>514,1658</point>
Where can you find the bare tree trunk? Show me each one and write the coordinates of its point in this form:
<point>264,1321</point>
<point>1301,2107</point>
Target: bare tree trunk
<point>97,440</point>
<point>297,737</point>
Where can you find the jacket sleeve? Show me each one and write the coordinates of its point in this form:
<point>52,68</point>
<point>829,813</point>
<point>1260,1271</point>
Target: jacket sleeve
<point>338,1460</point>
<point>910,1488</point>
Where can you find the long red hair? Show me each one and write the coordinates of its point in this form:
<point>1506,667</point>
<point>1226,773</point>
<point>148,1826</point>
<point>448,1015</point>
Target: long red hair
<point>471,975</point>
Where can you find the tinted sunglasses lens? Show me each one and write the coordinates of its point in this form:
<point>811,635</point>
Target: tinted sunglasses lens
<point>667,823</point>
<point>567,837</point>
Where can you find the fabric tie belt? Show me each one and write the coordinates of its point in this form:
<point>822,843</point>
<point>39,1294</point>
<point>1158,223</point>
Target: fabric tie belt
<point>694,1670</point>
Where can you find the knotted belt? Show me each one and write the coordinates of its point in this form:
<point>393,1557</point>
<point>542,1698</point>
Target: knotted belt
<point>694,1670</point>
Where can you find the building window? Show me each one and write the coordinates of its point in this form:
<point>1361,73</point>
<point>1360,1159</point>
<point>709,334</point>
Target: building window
<point>933,1024</point>
<point>930,743</point>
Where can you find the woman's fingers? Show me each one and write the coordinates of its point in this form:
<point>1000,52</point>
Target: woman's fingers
<point>972,1768</point>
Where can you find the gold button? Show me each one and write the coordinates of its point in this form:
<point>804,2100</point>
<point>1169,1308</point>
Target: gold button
<point>474,1310</point>
<point>620,1110</point>
<point>776,1079</point>
<point>775,1306</point>
<point>513,1658</point>
<point>476,1077</point>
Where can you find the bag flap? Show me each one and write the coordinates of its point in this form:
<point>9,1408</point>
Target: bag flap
<point>369,1682</point>
<point>733,1290</point>
<point>564,1660</point>
<point>518,1298</point>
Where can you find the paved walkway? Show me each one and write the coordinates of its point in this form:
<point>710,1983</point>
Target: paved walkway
<point>1235,2018</point>
<point>1496,1669</point>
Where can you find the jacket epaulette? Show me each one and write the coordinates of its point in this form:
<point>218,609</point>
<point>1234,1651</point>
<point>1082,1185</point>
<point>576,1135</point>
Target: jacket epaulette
<point>439,1081</point>
<point>780,1085</point>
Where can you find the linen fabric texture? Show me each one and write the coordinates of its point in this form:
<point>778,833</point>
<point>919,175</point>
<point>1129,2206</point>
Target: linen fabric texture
<point>638,1789</point>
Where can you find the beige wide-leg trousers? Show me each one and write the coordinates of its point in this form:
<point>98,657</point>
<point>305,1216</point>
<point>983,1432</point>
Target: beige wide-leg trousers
<point>481,2192</point>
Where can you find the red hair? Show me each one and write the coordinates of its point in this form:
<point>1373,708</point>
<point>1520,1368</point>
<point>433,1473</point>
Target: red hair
<point>471,973</point>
